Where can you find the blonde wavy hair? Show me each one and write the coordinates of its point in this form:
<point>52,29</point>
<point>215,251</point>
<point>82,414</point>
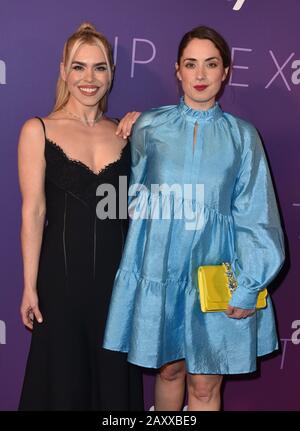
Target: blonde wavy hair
<point>86,33</point>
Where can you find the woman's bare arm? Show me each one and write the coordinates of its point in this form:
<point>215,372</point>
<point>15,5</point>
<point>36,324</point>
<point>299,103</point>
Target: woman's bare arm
<point>31,164</point>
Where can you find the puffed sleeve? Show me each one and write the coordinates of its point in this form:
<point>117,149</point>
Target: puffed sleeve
<point>138,166</point>
<point>259,244</point>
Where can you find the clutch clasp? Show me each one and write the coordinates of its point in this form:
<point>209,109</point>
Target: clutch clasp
<point>232,283</point>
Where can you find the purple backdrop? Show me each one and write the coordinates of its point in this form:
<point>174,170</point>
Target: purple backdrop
<point>264,89</point>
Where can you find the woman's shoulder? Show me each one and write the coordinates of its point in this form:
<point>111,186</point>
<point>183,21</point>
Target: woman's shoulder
<point>32,128</point>
<point>110,123</point>
<point>31,138</point>
<point>239,123</point>
<point>244,133</point>
<point>155,116</point>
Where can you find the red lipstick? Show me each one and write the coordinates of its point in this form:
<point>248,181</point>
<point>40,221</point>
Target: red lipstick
<point>200,87</point>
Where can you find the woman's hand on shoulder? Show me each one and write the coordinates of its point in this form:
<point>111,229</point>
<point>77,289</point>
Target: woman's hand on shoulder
<point>126,124</point>
<point>239,313</point>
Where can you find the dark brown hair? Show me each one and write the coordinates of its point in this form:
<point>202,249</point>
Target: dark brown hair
<point>203,32</point>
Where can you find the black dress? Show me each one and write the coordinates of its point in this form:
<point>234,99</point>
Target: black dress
<point>67,368</point>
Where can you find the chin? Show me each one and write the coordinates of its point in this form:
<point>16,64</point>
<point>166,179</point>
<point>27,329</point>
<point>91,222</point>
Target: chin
<point>90,102</point>
<point>200,101</point>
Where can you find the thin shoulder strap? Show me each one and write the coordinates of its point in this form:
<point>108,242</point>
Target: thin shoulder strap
<point>115,120</point>
<point>43,124</point>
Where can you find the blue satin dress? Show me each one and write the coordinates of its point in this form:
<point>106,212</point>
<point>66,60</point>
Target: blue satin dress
<point>155,313</point>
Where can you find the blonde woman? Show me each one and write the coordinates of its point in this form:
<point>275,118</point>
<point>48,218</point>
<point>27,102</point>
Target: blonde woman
<point>71,255</point>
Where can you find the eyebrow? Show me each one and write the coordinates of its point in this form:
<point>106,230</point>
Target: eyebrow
<point>207,59</point>
<point>85,64</point>
<point>212,58</point>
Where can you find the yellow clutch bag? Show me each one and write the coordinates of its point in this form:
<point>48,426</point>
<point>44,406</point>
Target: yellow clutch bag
<point>216,284</point>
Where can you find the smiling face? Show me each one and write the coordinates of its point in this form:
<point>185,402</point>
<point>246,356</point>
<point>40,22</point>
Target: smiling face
<point>89,77</point>
<point>201,72</point>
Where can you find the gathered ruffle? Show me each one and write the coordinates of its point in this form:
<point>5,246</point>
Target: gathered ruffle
<point>162,322</point>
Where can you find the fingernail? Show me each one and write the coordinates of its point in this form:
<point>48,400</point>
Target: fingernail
<point>40,320</point>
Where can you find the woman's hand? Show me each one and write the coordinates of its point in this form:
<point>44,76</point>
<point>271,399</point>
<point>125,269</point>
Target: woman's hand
<point>239,313</point>
<point>125,125</point>
<point>30,309</point>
